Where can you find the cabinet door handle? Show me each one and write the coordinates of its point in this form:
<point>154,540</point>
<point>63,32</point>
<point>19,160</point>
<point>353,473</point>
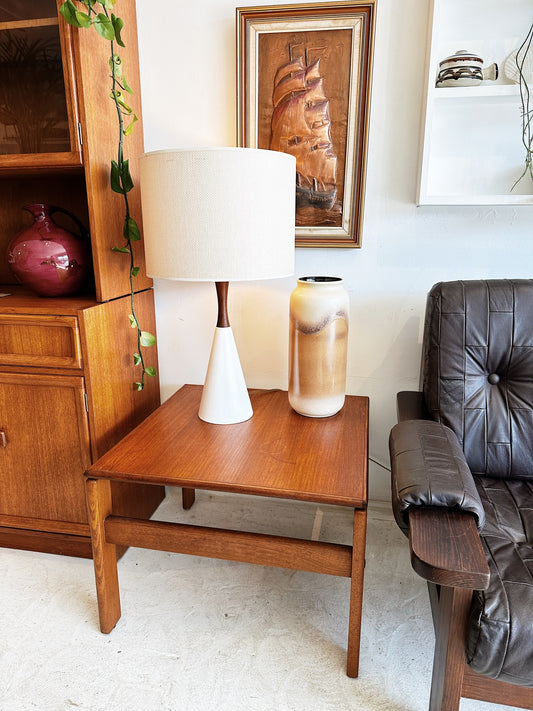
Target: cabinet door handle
<point>3,439</point>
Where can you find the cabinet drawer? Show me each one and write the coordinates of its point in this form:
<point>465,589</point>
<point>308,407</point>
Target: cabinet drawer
<point>48,341</point>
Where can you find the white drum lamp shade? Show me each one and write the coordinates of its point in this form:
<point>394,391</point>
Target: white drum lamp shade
<point>219,214</point>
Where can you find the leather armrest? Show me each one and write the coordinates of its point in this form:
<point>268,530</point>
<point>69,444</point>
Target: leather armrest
<point>429,469</point>
<point>446,548</point>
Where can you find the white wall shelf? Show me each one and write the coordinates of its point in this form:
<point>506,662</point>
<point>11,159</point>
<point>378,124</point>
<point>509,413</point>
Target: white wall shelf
<point>474,92</point>
<point>471,150</point>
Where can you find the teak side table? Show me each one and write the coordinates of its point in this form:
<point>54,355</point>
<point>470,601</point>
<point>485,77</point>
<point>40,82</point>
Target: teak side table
<point>277,453</point>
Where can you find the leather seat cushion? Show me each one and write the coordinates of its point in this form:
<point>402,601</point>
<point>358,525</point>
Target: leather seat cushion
<point>497,646</point>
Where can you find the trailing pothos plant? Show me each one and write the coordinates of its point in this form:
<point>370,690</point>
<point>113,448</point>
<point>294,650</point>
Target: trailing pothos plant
<point>521,58</point>
<point>99,16</point>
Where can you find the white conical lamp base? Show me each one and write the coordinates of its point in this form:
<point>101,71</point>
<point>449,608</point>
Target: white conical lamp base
<point>225,398</point>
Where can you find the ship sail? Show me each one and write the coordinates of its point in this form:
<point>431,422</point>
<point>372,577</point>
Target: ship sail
<point>301,126</point>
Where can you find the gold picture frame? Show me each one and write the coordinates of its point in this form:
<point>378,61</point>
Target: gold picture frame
<point>303,87</point>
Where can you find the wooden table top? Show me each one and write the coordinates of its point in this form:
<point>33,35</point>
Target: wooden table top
<point>276,453</point>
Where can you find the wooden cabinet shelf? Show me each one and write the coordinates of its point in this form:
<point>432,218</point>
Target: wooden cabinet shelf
<point>37,163</point>
<point>25,24</point>
<point>471,150</point>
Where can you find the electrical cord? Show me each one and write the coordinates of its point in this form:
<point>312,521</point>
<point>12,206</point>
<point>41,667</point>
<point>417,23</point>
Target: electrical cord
<point>383,466</point>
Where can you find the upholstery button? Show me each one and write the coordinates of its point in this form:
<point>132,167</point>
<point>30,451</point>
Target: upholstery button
<point>494,378</point>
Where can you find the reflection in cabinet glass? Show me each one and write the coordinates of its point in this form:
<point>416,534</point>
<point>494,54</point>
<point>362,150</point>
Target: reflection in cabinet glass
<point>471,149</point>
<point>33,105</point>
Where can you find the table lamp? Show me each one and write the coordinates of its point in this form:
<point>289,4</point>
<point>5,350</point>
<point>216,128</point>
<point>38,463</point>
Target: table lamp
<point>220,215</point>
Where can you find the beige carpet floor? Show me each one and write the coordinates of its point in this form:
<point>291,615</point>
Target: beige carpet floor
<point>206,635</point>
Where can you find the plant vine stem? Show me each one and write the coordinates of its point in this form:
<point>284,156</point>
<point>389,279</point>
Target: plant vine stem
<point>527,113</point>
<point>120,161</point>
<point>120,178</point>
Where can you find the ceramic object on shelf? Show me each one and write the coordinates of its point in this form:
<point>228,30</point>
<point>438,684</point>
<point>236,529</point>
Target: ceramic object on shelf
<point>318,342</point>
<point>465,68</point>
<point>510,67</point>
<point>48,259</point>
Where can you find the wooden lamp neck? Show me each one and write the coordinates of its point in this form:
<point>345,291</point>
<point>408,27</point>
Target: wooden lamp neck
<point>222,298</point>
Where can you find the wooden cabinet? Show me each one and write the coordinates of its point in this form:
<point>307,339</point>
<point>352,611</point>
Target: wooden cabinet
<point>37,462</point>
<point>471,146</point>
<point>67,377</point>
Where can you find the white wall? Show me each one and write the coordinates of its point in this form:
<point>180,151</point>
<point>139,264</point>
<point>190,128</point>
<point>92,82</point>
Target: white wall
<point>188,68</point>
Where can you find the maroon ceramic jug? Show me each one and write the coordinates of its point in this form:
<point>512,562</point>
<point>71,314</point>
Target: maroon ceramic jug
<point>48,259</point>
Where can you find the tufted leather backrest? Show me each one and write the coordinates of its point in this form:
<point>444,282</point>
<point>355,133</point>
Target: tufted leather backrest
<point>478,371</point>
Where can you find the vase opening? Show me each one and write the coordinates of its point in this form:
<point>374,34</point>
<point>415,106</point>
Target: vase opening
<point>319,279</point>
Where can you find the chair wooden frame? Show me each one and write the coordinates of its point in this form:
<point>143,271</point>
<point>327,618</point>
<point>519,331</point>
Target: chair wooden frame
<point>446,551</point>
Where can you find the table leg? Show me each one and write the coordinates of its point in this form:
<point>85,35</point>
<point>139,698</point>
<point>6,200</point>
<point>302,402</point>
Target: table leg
<point>187,498</point>
<point>356,592</point>
<point>104,554</point>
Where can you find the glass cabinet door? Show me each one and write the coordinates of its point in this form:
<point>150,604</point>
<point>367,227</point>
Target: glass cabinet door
<point>35,108</point>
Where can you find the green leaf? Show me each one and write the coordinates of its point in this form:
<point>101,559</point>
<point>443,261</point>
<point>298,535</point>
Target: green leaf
<point>121,180</point>
<point>108,4</point>
<point>118,24</point>
<point>104,27</point>
<point>115,64</point>
<point>125,85</point>
<point>129,127</point>
<point>117,96</point>
<point>131,230</point>
<point>136,359</point>
<point>83,19</point>
<point>133,321</point>
<point>150,371</point>
<point>114,178</point>
<point>147,339</point>
<point>122,250</point>
<point>125,177</point>
<point>69,12</point>
<point>135,271</point>
<point>139,386</point>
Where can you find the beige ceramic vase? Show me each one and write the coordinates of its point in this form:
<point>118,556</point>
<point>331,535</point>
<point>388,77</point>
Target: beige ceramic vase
<point>318,341</point>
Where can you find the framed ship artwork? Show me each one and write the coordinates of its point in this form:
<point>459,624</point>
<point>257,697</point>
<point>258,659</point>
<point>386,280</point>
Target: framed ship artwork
<point>304,76</point>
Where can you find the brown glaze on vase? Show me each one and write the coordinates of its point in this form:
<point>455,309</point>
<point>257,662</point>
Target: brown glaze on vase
<point>318,342</point>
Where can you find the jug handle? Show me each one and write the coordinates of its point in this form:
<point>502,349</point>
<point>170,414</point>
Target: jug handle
<point>490,72</point>
<point>84,232</point>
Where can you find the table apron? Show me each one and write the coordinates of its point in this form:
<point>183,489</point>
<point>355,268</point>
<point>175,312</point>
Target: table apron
<point>243,546</point>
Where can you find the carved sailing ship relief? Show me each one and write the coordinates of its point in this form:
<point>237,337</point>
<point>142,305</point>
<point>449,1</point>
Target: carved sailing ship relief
<point>301,126</point>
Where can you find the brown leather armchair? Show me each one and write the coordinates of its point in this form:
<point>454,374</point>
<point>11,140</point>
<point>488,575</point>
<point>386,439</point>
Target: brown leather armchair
<point>462,488</point>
